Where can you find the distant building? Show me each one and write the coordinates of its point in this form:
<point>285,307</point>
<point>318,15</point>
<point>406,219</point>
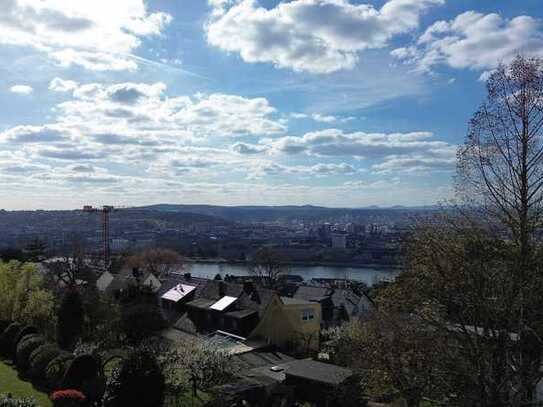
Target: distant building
<point>339,240</point>
<point>110,284</point>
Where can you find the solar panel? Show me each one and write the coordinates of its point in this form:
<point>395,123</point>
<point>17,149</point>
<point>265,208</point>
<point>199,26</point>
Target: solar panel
<point>223,303</point>
<point>178,292</point>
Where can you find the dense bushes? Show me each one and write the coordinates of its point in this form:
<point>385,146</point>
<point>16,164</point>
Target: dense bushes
<point>40,358</point>
<point>24,349</point>
<point>8,337</point>
<point>54,372</point>
<point>137,382</point>
<point>83,368</point>
<point>70,319</point>
<point>11,402</point>
<point>26,330</point>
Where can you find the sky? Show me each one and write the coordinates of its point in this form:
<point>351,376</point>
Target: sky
<point>341,103</point>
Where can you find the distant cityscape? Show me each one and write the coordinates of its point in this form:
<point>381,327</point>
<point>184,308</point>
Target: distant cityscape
<point>302,235</point>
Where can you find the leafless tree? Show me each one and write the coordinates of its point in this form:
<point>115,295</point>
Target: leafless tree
<point>160,262</point>
<point>500,173</point>
<point>268,267</point>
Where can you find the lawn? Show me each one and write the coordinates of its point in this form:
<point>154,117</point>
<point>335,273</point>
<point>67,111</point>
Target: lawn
<point>10,383</point>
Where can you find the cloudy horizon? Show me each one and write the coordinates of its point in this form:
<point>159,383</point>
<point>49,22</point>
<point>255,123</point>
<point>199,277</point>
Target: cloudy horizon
<point>338,103</point>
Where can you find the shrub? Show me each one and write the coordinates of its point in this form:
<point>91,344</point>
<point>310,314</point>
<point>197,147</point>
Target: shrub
<point>67,398</point>
<point>40,358</point>
<point>139,381</point>
<point>4,324</point>
<point>26,330</point>
<point>57,367</point>
<point>70,319</point>
<point>6,401</point>
<point>8,336</point>
<point>83,368</point>
<point>25,348</point>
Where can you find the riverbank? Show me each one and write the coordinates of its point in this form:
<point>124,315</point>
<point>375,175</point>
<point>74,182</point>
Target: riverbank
<point>374,266</point>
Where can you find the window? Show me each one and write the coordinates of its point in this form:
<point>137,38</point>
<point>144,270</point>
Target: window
<point>308,315</point>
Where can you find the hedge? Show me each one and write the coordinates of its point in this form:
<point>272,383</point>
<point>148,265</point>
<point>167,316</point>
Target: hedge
<point>4,324</point>
<point>40,358</point>
<point>8,336</point>
<point>26,330</point>
<point>25,347</point>
<point>80,370</point>
<point>54,372</point>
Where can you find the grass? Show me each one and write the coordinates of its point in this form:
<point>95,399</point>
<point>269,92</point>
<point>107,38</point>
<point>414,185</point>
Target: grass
<point>11,383</point>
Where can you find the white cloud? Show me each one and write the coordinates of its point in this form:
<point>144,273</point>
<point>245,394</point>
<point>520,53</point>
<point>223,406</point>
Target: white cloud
<point>61,85</point>
<point>318,36</point>
<point>22,89</point>
<point>335,142</point>
<point>476,41</point>
<point>98,34</point>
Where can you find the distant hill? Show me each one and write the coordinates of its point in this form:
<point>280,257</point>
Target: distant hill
<point>274,213</point>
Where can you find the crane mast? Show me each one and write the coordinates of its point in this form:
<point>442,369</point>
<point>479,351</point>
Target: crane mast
<point>105,211</point>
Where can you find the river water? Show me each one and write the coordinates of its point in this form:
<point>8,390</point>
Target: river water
<point>366,275</point>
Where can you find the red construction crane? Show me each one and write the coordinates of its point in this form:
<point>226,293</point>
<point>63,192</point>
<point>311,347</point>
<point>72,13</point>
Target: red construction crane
<point>106,210</point>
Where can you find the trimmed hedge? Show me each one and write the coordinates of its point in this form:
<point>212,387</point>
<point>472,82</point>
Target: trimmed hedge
<point>8,337</point>
<point>40,358</point>
<point>26,330</point>
<point>4,324</point>
<point>54,372</point>
<point>83,368</point>
<point>11,402</point>
<point>25,347</point>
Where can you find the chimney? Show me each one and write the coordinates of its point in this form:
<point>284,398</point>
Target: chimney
<point>222,288</point>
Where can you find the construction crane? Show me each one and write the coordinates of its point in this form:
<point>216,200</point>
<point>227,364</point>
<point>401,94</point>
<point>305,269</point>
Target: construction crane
<point>105,210</point>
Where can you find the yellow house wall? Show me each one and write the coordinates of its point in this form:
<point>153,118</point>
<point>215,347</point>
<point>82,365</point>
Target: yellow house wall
<point>281,324</point>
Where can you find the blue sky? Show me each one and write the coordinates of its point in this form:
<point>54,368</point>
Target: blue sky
<point>325,102</point>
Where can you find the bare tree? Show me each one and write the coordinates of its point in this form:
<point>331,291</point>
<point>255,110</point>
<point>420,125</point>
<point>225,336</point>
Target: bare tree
<point>268,267</point>
<point>500,173</point>
<point>160,262</point>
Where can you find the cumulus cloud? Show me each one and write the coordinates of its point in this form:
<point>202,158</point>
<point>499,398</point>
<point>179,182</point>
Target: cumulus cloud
<point>245,148</point>
<point>317,36</point>
<point>335,142</point>
<point>61,85</point>
<point>98,34</point>
<point>22,89</point>
<point>474,40</point>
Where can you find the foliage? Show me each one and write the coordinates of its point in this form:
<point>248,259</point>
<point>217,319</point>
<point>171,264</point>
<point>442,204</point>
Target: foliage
<point>70,319</point>
<point>57,367</point>
<point>8,337</point>
<point>40,358</point>
<point>27,330</point>
<point>25,347</point>
<point>6,401</point>
<point>24,297</point>
<point>82,369</point>
<point>140,315</point>
<point>197,365</point>
<point>138,381</point>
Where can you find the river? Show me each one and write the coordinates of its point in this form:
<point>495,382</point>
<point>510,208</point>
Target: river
<point>367,275</point>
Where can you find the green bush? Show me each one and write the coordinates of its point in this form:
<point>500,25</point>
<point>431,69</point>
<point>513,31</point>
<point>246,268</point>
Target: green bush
<point>83,368</point>
<point>4,324</point>
<point>56,368</point>
<point>139,381</point>
<point>6,401</point>
<point>26,330</point>
<point>25,348</point>
<point>8,336</point>
<point>40,358</point>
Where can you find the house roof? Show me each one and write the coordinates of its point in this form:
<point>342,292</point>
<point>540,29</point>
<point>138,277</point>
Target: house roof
<point>178,292</point>
<point>202,303</point>
<point>223,303</point>
<point>295,301</point>
<point>318,372</point>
